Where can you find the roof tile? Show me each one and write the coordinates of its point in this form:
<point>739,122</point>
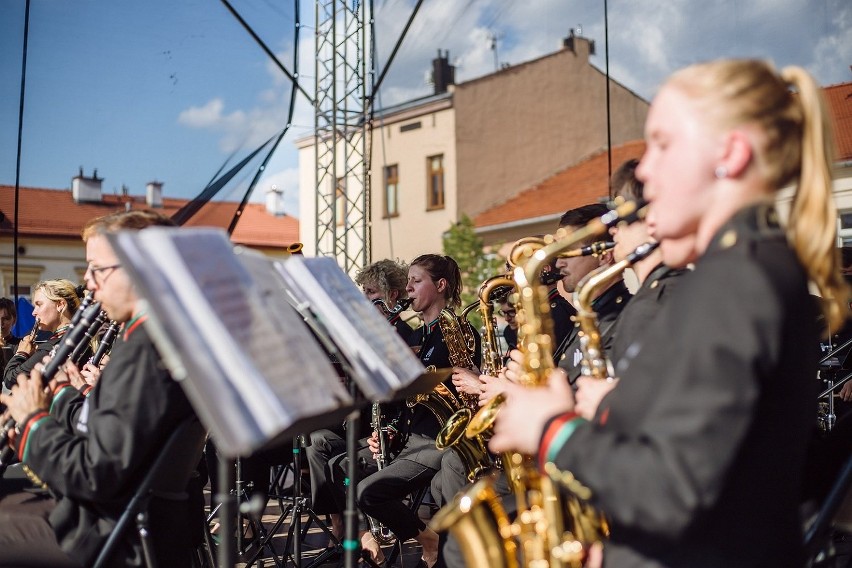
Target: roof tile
<point>54,213</point>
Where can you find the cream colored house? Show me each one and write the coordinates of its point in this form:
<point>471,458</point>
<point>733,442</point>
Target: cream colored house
<point>477,144</point>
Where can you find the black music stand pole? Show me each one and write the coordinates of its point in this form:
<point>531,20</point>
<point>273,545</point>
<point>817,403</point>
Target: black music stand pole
<point>226,556</point>
<point>351,545</point>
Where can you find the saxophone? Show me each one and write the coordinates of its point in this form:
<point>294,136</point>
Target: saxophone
<point>473,451</point>
<point>594,363</point>
<point>444,405</point>
<point>588,525</point>
<point>478,521</point>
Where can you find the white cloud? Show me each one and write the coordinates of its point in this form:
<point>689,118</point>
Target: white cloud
<point>647,41</point>
<point>203,116</point>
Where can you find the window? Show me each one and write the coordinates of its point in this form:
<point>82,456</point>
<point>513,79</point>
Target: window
<point>391,191</point>
<point>341,206</point>
<point>435,182</point>
<point>845,228</point>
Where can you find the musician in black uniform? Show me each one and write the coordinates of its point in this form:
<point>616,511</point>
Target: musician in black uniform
<point>698,460</point>
<point>657,282</point>
<point>510,332</point>
<point>434,283</point>
<point>452,476</point>
<point>384,280</point>
<point>609,302</point>
<point>54,305</point>
<point>93,463</point>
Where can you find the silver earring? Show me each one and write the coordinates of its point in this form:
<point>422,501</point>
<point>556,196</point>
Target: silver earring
<point>721,172</point>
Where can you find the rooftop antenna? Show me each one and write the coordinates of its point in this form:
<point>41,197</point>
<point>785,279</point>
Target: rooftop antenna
<point>492,45</point>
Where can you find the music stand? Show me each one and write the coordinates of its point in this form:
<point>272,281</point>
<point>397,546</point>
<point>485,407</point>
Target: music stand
<point>222,324</point>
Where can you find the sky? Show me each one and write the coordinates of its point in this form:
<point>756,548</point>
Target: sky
<point>174,91</point>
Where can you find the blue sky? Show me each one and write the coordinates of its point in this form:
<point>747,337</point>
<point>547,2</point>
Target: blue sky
<point>168,90</point>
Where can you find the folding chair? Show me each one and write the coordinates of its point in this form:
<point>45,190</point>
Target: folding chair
<point>835,511</point>
<point>168,479</point>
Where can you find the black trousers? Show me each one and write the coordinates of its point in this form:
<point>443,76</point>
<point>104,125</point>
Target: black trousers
<point>327,488</point>
<point>26,538</point>
<point>381,494</point>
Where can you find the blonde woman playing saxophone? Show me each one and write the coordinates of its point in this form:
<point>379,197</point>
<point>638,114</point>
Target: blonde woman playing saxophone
<point>715,401</point>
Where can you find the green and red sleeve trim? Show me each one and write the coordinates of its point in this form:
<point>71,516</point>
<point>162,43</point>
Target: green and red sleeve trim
<point>59,391</point>
<point>86,390</point>
<point>133,324</point>
<point>556,433</point>
<point>30,425</point>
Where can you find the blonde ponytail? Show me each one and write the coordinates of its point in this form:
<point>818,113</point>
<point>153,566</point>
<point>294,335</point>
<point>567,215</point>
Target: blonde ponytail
<point>812,227</point>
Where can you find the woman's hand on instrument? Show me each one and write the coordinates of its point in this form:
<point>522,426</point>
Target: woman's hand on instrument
<point>26,345</point>
<point>467,381</point>
<point>589,394</point>
<point>491,387</point>
<point>373,444</point>
<point>90,374</point>
<point>72,375</point>
<point>521,419</point>
<point>513,370</point>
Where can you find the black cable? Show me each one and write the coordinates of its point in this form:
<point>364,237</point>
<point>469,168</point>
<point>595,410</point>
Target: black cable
<point>186,212</point>
<point>20,138</point>
<point>241,207</point>
<point>268,51</point>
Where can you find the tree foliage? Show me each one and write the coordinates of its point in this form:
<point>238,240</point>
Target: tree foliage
<point>467,248</point>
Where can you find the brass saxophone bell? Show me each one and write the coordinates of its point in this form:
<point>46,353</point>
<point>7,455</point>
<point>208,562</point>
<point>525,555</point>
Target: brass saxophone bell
<point>485,416</point>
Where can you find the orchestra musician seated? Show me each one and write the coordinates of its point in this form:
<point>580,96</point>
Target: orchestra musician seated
<point>92,462</point>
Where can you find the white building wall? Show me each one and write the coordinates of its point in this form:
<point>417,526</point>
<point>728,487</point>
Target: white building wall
<point>415,230</point>
<point>41,259</point>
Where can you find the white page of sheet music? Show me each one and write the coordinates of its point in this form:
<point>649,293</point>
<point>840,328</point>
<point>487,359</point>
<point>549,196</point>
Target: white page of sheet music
<point>247,370</point>
<point>381,359</point>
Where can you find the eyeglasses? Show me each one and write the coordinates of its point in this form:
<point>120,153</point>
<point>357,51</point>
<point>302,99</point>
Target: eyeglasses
<point>508,313</point>
<point>94,270</point>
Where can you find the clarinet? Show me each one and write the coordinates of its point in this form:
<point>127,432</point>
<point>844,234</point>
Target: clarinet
<point>380,532</point>
<point>106,343</point>
<point>84,343</point>
<point>63,352</point>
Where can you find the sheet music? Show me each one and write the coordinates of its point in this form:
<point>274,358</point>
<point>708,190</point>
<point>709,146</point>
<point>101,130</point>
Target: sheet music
<point>247,362</point>
<point>384,364</point>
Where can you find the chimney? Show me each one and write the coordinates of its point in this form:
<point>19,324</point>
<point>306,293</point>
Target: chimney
<point>443,74</point>
<point>275,201</point>
<point>86,190</point>
<point>154,194</point>
<point>578,44</point>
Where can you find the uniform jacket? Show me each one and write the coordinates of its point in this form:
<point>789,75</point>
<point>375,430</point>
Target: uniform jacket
<point>642,309</point>
<point>20,363</point>
<point>607,306</point>
<point>696,457</point>
<point>93,462</point>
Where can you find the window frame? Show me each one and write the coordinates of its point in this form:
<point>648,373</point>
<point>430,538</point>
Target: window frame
<point>430,176</point>
<point>386,212</point>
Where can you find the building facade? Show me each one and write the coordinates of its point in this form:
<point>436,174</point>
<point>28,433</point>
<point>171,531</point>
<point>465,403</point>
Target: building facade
<point>478,144</point>
<point>50,221</point>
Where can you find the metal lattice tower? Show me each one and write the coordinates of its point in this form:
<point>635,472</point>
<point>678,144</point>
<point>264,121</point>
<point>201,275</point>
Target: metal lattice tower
<point>341,134</point>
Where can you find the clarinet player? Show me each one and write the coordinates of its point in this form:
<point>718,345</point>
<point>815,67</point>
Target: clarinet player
<point>91,463</point>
